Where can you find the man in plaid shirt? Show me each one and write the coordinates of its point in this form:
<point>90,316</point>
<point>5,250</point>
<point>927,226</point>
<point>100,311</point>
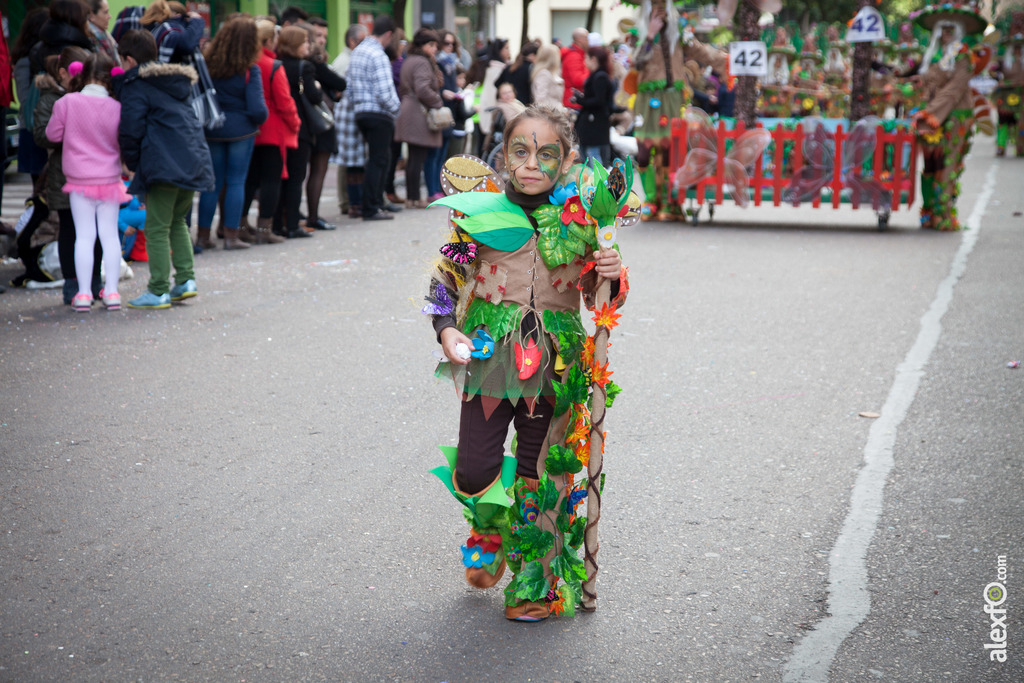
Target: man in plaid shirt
<point>371,88</point>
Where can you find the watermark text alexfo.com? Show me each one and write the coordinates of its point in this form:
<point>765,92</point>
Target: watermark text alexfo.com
<point>995,596</point>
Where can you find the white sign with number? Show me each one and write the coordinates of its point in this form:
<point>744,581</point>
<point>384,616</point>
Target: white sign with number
<point>748,58</point>
<point>867,27</point>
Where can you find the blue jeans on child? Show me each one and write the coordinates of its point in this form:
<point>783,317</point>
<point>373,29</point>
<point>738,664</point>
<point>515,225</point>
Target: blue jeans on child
<point>230,167</point>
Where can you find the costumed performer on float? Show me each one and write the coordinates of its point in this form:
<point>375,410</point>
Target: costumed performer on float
<point>945,125</point>
<point>662,94</point>
<point>1009,96</point>
<point>505,305</point>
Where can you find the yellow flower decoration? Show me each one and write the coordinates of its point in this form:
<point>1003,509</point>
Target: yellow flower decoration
<point>808,103</point>
<point>1013,100</point>
<point>932,138</point>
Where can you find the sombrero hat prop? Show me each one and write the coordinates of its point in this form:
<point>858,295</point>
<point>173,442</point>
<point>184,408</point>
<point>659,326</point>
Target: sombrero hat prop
<point>964,13</point>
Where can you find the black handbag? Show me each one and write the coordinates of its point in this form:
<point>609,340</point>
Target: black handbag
<point>318,116</point>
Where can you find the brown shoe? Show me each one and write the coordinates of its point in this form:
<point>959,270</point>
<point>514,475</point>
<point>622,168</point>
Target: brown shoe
<point>203,239</point>
<point>528,611</point>
<point>263,233</point>
<point>478,577</point>
<point>231,240</point>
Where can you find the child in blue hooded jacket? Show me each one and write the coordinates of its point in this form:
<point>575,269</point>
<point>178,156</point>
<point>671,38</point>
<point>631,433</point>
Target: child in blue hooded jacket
<point>162,143</point>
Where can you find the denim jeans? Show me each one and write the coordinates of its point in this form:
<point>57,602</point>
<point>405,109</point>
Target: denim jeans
<point>601,154</point>
<point>230,167</point>
<point>432,168</point>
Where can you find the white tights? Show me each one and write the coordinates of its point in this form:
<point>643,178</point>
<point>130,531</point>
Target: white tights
<point>92,216</point>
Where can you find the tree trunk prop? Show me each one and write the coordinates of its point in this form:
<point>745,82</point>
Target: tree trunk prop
<point>746,88</point>
<point>596,464</point>
<point>611,191</point>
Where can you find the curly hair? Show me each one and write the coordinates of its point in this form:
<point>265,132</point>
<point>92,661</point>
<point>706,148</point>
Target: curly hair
<point>234,49</point>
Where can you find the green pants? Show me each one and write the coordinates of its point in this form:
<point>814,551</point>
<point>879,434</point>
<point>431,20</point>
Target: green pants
<point>167,237</point>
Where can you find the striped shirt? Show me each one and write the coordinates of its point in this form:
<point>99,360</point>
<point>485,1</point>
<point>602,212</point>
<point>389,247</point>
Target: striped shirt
<point>371,87</point>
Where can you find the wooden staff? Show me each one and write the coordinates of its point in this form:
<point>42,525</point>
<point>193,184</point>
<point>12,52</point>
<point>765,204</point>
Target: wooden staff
<point>596,464</point>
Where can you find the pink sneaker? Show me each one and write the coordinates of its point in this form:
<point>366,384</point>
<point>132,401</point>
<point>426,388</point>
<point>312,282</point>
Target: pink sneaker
<point>112,301</point>
<point>82,302</point>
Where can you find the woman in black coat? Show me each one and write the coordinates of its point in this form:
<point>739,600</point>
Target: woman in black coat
<point>597,104</point>
<point>326,143</point>
<point>66,26</point>
<point>292,50</point>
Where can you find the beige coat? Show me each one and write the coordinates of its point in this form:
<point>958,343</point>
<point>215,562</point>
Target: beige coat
<point>945,91</point>
<point>547,88</point>
<point>418,88</point>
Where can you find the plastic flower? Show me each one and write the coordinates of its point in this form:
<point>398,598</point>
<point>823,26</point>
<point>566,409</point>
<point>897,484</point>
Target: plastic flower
<point>527,358</point>
<point>574,211</point>
<point>580,430</point>
<point>662,120</point>
<point>475,557</point>
<point>514,555</point>
<point>1013,99</point>
<point>487,543</point>
<point>558,606</point>
<point>529,510</point>
<point>607,317</point>
<point>563,193</point>
<point>807,103</point>
<point>600,374</point>
<point>484,345</point>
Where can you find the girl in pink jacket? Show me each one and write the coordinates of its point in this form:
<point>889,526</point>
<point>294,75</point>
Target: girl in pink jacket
<point>86,121</point>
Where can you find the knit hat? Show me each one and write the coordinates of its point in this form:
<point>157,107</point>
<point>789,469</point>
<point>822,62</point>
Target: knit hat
<point>424,36</point>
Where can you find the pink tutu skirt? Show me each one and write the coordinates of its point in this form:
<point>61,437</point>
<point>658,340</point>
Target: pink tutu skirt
<point>104,192</point>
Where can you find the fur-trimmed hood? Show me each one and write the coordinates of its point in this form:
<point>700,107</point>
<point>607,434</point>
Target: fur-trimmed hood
<point>174,79</point>
<point>45,82</point>
<point>157,69</point>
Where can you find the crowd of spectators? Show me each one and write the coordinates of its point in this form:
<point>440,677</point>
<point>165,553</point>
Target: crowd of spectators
<point>270,84</point>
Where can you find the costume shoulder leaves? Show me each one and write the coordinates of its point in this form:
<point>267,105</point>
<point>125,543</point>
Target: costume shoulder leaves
<point>490,218</point>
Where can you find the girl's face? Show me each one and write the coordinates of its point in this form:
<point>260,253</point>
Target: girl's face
<point>591,63</point>
<point>65,78</point>
<point>534,157</point>
<point>505,53</point>
<point>304,50</point>
<point>506,93</point>
<point>430,49</point>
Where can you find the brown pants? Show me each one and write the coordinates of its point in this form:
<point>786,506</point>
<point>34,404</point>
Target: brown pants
<point>482,440</point>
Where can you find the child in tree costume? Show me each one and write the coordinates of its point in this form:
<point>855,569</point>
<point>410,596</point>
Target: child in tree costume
<point>1009,96</point>
<point>505,304</point>
<point>945,125</point>
<point>662,94</point>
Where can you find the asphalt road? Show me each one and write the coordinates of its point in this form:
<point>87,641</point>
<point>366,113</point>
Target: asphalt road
<point>237,490</point>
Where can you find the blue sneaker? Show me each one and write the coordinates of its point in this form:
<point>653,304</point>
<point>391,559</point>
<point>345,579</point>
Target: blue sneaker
<point>151,300</point>
<point>186,290</point>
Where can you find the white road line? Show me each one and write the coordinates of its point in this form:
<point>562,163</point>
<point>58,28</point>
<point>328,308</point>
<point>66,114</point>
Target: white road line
<point>849,602</point>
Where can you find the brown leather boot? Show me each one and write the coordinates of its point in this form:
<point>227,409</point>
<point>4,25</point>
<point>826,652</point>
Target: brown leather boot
<point>264,234</point>
<point>203,239</point>
<point>231,240</point>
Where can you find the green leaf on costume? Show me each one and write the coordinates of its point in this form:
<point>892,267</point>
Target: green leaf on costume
<point>570,566</point>
<point>501,230</point>
<point>531,584</point>
<point>564,322</point>
<point>534,542</point>
<point>498,318</point>
<point>555,248</point>
<point>613,390</point>
<point>561,460</point>
<point>547,494</point>
<point>569,603</point>
<point>576,531</point>
<point>574,592</point>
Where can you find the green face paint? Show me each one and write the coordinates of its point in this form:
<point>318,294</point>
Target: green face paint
<point>534,168</point>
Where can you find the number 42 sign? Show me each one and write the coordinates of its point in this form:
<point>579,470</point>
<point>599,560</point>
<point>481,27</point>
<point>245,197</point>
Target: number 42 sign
<point>748,58</point>
<point>866,27</point>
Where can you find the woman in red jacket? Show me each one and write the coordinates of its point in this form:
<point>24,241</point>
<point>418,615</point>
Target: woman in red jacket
<point>277,135</point>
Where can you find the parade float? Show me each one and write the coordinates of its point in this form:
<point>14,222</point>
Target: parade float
<point>801,149</point>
